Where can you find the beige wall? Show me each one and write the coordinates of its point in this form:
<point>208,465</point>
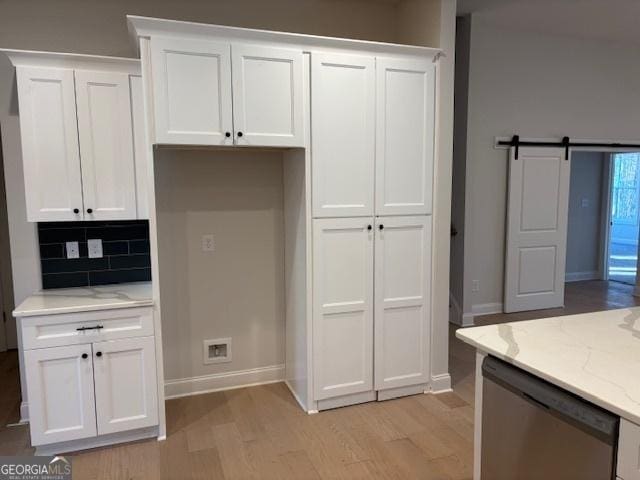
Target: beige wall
<point>541,86</point>
<point>98,26</point>
<point>238,290</point>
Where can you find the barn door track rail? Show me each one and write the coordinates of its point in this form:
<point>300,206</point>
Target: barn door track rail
<point>566,143</point>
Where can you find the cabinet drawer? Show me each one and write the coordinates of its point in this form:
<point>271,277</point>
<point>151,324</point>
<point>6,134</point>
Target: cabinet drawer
<point>629,451</point>
<point>85,327</point>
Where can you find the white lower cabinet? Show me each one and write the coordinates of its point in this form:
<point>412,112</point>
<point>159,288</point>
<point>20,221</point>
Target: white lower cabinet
<point>60,392</point>
<point>368,338</point>
<point>402,301</point>
<point>343,306</point>
<point>83,390</point>
<point>125,384</point>
<point>628,451</point>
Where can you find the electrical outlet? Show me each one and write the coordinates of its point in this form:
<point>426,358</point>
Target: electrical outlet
<point>475,285</point>
<point>73,251</point>
<point>94,246</point>
<point>585,202</point>
<point>217,350</point>
<point>208,244</point>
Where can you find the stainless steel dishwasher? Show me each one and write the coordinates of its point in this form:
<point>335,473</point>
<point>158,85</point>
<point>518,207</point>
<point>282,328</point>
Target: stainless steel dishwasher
<point>532,430</point>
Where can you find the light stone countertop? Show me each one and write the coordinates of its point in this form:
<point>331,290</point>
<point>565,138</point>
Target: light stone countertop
<point>593,355</point>
<point>85,299</point>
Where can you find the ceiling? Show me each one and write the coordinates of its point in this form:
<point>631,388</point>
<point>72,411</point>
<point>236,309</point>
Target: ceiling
<point>611,20</point>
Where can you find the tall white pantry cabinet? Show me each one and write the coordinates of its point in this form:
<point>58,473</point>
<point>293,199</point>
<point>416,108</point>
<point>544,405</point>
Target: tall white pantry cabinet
<point>356,122</point>
<point>372,144</point>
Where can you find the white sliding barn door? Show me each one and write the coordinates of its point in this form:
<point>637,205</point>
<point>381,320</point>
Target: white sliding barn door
<point>536,229</point>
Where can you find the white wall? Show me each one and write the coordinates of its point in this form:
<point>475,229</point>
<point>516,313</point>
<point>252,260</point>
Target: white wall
<point>585,216</point>
<point>536,85</point>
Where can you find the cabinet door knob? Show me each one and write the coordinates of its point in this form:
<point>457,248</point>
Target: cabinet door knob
<point>369,227</point>
<point>84,355</point>
<point>76,210</point>
<point>227,134</point>
<point>381,227</point>
<point>98,354</point>
<point>240,134</point>
<point>89,210</point>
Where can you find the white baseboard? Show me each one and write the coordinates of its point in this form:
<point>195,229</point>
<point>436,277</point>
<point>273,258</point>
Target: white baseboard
<point>467,320</point>
<point>581,276</point>
<point>486,308</point>
<point>216,382</point>
<point>295,395</point>
<point>441,383</point>
<point>478,310</point>
<point>96,442</point>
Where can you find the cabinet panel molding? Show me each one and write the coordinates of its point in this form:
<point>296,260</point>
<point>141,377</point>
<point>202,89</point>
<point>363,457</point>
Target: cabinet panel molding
<point>405,135</point>
<point>106,145</point>
<point>343,134</point>
<point>402,301</point>
<point>267,96</point>
<point>343,306</point>
<point>125,384</point>
<point>50,151</point>
<point>191,91</point>
<point>61,395</point>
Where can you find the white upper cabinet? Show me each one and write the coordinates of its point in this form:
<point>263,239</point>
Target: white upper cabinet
<point>50,153</point>
<point>342,306</point>
<point>195,104</point>
<point>125,384</point>
<point>76,126</point>
<point>343,134</point>
<point>402,301</point>
<point>267,96</point>
<point>404,136</point>
<point>106,145</point>
<point>60,392</point>
<point>191,91</point>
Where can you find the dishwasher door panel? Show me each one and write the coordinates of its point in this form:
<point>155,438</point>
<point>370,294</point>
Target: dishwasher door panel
<point>526,441</point>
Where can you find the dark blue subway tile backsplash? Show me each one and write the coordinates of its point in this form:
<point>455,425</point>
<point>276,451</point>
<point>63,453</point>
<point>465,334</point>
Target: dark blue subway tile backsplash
<point>125,246</point>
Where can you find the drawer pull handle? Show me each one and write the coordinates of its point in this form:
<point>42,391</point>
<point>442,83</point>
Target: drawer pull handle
<point>98,354</point>
<point>82,329</point>
<point>84,355</point>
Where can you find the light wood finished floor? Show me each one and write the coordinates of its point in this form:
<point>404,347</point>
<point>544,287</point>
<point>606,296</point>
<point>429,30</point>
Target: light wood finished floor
<point>260,432</point>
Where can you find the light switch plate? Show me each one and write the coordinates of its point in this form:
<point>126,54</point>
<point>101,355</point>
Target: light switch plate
<point>73,251</point>
<point>94,245</point>
<point>208,244</point>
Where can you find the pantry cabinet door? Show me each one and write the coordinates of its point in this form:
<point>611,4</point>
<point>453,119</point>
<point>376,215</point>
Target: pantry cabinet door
<point>60,392</point>
<point>267,96</point>
<point>191,91</point>
<point>125,381</point>
<point>343,134</point>
<point>50,153</point>
<point>402,301</point>
<point>405,136</point>
<point>342,306</point>
<point>106,145</point>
